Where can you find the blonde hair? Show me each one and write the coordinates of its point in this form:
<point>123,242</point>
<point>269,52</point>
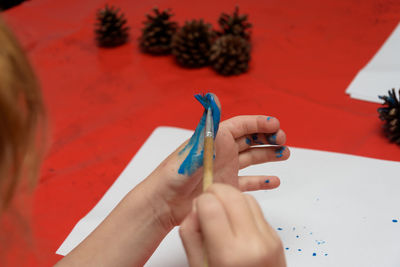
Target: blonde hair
<point>21,118</point>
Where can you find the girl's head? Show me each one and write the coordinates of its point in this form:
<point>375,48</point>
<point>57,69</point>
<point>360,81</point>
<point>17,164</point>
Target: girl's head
<point>21,116</point>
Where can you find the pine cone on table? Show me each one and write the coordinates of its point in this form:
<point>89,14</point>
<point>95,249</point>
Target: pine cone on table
<point>191,44</point>
<point>157,32</point>
<point>230,55</point>
<point>111,29</point>
<point>235,24</point>
<point>390,114</point>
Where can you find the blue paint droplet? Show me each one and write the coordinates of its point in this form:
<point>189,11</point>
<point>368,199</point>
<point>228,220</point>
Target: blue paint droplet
<point>279,229</point>
<point>314,254</point>
<point>248,141</point>
<point>326,254</point>
<point>268,118</point>
<point>294,228</point>
<point>394,220</point>
<point>287,248</point>
<point>267,181</point>
<point>299,249</point>
<point>297,236</point>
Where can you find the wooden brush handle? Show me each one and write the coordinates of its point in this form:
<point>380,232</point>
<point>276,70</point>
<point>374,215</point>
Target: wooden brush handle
<point>208,158</point>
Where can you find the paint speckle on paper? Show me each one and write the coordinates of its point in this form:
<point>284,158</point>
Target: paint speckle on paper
<point>305,241</point>
<point>395,221</point>
<point>287,248</point>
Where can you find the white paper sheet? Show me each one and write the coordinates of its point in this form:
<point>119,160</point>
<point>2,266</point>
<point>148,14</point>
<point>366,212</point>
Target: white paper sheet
<point>338,206</point>
<point>381,74</point>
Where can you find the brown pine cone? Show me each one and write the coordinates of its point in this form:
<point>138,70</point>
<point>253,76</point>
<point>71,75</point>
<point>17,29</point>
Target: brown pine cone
<point>230,55</point>
<point>390,114</point>
<point>191,44</point>
<point>111,29</point>
<point>235,24</point>
<point>157,32</point>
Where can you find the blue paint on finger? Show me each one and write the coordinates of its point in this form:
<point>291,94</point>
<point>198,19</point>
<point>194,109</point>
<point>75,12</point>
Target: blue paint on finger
<point>267,181</point>
<point>248,141</point>
<point>256,140</point>
<point>269,118</point>
<point>279,152</point>
<point>194,158</point>
<point>272,139</point>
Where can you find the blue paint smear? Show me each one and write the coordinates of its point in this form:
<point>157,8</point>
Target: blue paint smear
<point>194,159</point>
<point>394,220</point>
<point>256,140</point>
<point>314,254</point>
<point>268,118</point>
<point>279,151</point>
<point>267,181</point>
<point>287,248</point>
<point>272,139</point>
<point>248,141</point>
<point>326,254</point>
<point>279,229</point>
<point>299,249</point>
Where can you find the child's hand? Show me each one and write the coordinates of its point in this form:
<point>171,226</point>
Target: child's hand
<point>230,228</point>
<point>233,151</point>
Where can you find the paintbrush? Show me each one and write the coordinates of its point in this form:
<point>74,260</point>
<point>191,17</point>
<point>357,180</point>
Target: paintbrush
<point>208,154</point>
<point>208,157</point>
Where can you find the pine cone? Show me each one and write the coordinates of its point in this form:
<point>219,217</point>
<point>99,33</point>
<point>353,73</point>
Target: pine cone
<point>157,33</point>
<point>235,24</point>
<point>391,115</point>
<point>111,29</point>
<point>6,4</point>
<point>191,44</point>
<point>230,55</point>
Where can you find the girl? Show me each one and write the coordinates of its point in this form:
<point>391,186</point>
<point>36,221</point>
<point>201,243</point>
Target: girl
<point>229,224</point>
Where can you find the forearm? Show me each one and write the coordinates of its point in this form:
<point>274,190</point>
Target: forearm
<point>129,235</point>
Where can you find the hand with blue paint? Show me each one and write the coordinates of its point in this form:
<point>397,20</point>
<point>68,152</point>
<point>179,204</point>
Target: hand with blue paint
<point>239,143</point>
<point>162,201</point>
<point>229,228</point>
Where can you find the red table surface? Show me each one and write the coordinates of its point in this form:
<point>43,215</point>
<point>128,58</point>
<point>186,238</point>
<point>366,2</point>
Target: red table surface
<point>104,103</point>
